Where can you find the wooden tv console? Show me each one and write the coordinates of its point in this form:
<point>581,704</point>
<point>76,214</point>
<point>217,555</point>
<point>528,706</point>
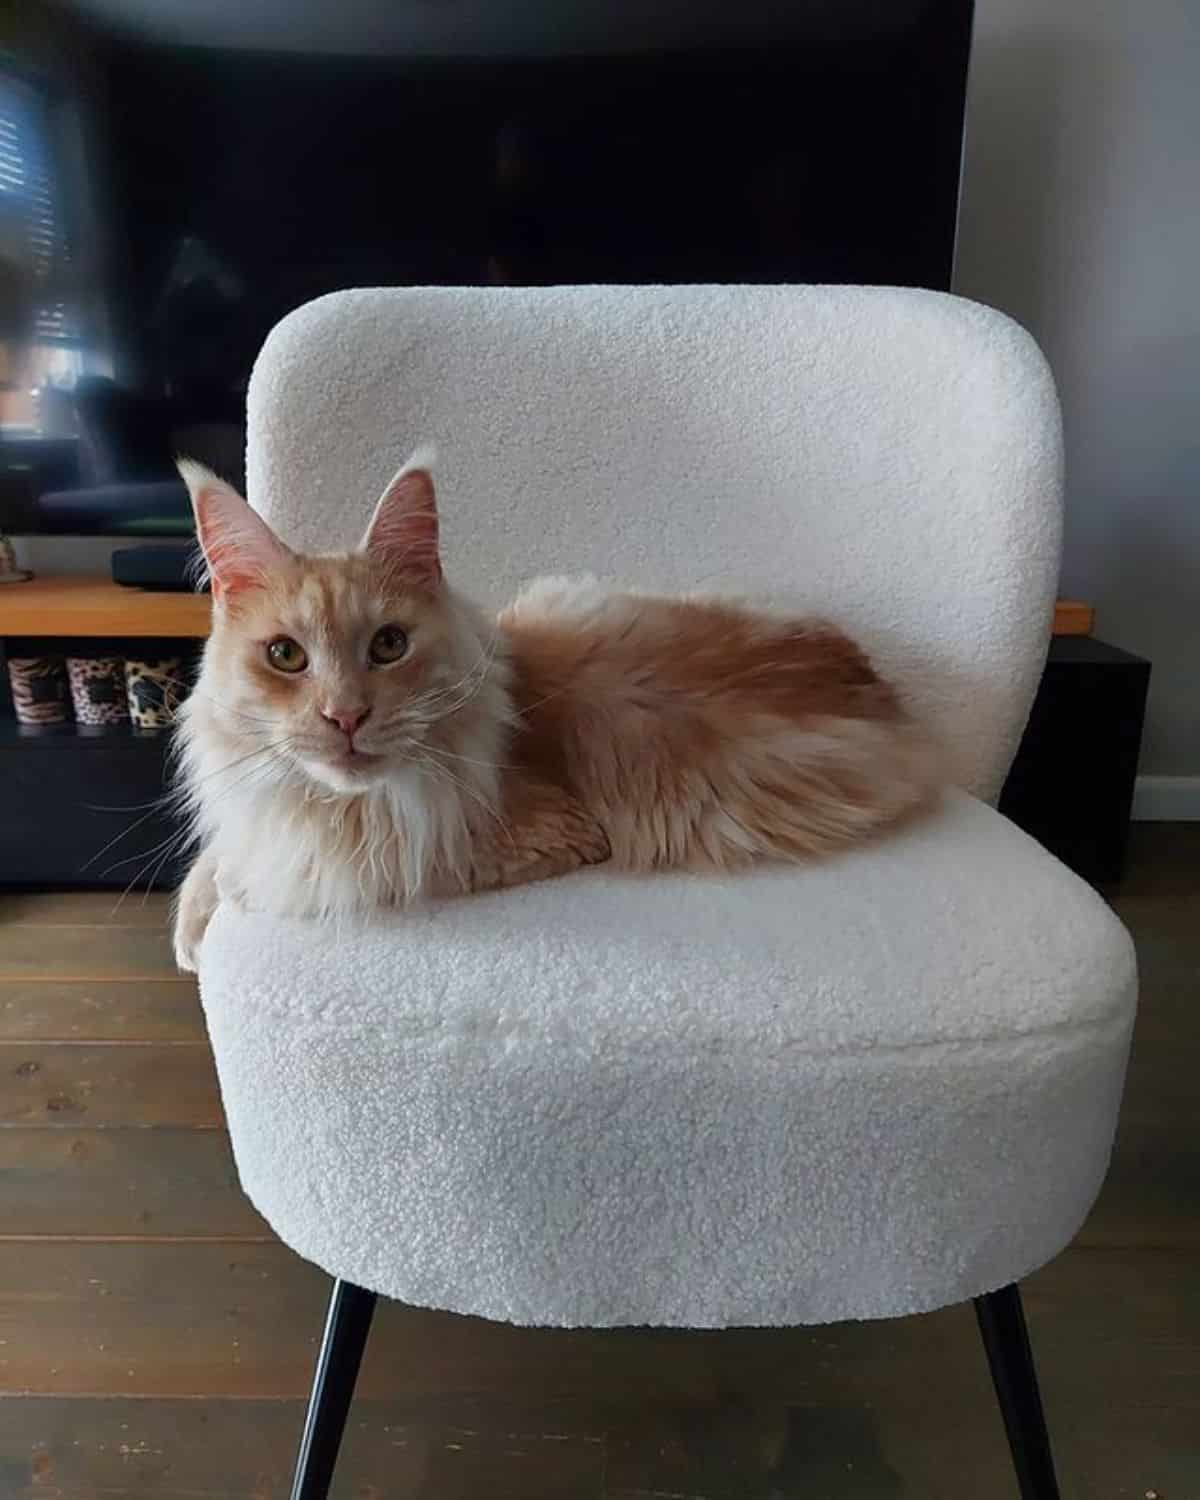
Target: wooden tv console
<point>60,605</point>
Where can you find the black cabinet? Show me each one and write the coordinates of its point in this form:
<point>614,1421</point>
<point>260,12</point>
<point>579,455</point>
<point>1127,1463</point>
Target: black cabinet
<point>1071,784</point>
<point>81,809</point>
<point>84,807</point>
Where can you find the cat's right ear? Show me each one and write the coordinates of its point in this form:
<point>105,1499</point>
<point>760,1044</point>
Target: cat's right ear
<point>404,529</point>
<point>239,547</point>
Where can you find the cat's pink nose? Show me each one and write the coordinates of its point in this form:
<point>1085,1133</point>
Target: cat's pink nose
<point>348,720</point>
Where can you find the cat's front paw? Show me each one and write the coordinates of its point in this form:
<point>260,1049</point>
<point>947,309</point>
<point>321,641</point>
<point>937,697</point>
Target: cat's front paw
<point>194,906</point>
<point>190,927</point>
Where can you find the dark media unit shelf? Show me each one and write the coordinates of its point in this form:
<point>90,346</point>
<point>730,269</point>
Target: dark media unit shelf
<point>82,807</point>
<point>70,802</point>
<point>1071,785</point>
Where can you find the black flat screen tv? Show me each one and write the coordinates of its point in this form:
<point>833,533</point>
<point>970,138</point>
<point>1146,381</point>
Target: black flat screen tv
<point>230,184</point>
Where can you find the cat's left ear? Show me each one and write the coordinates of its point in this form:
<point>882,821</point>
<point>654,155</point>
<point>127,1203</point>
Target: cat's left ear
<point>239,547</point>
<point>404,529</point>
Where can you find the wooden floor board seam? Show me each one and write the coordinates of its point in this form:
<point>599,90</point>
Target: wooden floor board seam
<point>23,1044</point>
<point>138,1239</point>
<point>79,926</point>
<point>31,1393</point>
<point>159,976</point>
<point>118,1125</point>
<point>90,979</point>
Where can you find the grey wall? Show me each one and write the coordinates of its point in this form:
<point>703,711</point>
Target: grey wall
<point>1081,218</point>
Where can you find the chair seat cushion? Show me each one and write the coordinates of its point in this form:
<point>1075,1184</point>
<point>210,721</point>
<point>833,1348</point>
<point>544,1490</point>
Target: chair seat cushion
<point>857,1088</point>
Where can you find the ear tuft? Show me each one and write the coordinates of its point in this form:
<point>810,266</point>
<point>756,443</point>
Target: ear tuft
<point>423,456</point>
<point>240,549</point>
<point>404,529</point>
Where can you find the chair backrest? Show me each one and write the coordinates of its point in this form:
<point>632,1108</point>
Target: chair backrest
<point>888,458</point>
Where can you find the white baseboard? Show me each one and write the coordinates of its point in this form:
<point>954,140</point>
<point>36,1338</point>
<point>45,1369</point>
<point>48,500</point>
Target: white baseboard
<point>1166,799</point>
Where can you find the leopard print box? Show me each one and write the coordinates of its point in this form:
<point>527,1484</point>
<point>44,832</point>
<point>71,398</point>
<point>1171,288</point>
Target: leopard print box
<point>98,690</point>
<point>154,689</point>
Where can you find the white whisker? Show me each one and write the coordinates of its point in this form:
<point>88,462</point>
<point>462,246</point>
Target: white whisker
<point>453,780</point>
<point>471,760</point>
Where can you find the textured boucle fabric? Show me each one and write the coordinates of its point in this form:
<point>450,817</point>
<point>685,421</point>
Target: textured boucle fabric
<point>857,1088</point>
<point>889,458</point>
<point>862,1087</point>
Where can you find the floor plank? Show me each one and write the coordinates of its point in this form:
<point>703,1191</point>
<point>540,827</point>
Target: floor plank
<point>954,1452</point>
<point>138,1010</point>
<point>229,1450</point>
<point>464,1449</point>
<point>85,909</point>
<point>1152,1195</point>
<point>33,951</point>
<point>502,1447</point>
<point>68,1084</point>
<point>1162,866</point>
<point>135,1182</point>
<point>210,1320</point>
<point>157,1320</point>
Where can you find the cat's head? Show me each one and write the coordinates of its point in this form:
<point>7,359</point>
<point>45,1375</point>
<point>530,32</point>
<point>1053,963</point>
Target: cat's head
<point>345,667</point>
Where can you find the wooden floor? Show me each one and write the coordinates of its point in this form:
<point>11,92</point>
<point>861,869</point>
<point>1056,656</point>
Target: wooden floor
<point>155,1340</point>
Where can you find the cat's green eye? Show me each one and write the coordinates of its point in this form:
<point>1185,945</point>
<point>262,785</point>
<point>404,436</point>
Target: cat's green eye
<point>388,644</point>
<point>287,655</point>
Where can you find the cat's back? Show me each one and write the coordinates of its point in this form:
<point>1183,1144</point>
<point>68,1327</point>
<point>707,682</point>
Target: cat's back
<point>577,639</point>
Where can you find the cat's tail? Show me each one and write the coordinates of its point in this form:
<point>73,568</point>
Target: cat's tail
<point>806,790</point>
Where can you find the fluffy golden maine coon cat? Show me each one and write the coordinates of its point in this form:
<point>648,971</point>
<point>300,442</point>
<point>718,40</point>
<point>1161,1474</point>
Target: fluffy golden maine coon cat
<point>361,736</point>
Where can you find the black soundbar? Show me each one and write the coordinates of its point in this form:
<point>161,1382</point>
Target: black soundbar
<point>166,569</point>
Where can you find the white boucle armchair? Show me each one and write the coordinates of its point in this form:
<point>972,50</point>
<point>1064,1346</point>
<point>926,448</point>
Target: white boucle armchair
<point>861,1088</point>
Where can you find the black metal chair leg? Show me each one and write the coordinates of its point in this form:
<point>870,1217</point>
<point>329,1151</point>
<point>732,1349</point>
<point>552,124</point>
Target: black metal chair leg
<point>346,1328</point>
<point>1006,1339</point>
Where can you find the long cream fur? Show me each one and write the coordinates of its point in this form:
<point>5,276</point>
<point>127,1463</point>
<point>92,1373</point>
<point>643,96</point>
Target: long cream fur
<point>587,724</point>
